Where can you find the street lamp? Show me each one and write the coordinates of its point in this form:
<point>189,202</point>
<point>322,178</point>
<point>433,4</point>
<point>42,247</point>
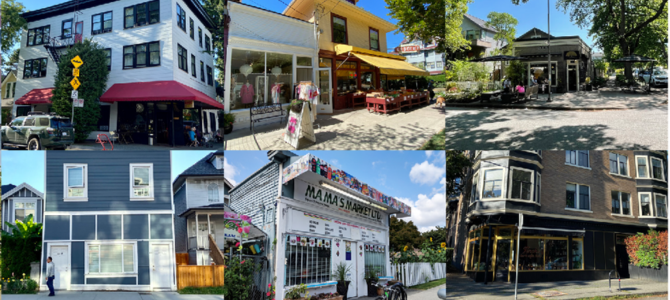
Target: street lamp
<point>549,51</point>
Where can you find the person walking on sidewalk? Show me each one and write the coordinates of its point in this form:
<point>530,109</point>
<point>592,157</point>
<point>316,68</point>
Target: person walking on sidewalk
<point>51,268</point>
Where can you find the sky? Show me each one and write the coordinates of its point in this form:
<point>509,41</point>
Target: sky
<point>417,178</point>
<point>28,166</point>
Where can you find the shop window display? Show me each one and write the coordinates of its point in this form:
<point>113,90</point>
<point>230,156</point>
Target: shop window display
<point>308,260</point>
<point>577,249</point>
<point>531,254</point>
<point>556,255</point>
<point>539,72</point>
<point>375,259</point>
<point>346,77</point>
<point>260,78</point>
<point>368,78</point>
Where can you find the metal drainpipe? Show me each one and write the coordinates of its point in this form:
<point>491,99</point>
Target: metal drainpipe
<point>488,257</point>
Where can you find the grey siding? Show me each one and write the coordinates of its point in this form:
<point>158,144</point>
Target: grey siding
<point>57,228</point>
<point>108,180</point>
<point>77,262</point>
<point>45,246</point>
<point>246,196</point>
<point>181,231</point>
<point>144,276</point>
<point>161,227</point>
<point>38,212</point>
<point>112,280</point>
<point>136,227</point>
<point>83,227</point>
<point>109,227</point>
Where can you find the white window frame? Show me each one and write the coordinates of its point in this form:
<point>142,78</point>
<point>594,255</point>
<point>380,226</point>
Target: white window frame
<point>84,198</point>
<point>651,169</point>
<point>151,182</point>
<point>476,192</point>
<point>588,154</point>
<point>618,164</point>
<point>23,200</point>
<point>532,183</point>
<point>539,187</point>
<point>666,205</point>
<point>538,152</point>
<point>637,167</point>
<point>590,210</point>
<point>652,212</point>
<point>630,202</point>
<point>100,274</point>
<point>503,185</point>
<point>218,192</point>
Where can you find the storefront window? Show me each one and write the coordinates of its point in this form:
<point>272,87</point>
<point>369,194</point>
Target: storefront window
<point>375,260</point>
<point>280,78</point>
<point>346,77</point>
<point>557,255</point>
<point>325,62</point>
<point>531,254</point>
<point>304,61</point>
<point>481,266</point>
<point>260,78</point>
<point>576,247</point>
<point>368,78</point>
<point>308,260</point>
<point>474,256</point>
<point>539,72</point>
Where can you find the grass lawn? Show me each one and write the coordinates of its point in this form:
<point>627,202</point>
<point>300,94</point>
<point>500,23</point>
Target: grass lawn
<point>202,290</point>
<point>436,142</point>
<point>430,285</point>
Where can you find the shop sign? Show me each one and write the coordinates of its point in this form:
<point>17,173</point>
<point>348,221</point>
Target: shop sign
<point>570,55</point>
<point>318,224</point>
<point>229,233</point>
<point>333,200</point>
<point>407,48</point>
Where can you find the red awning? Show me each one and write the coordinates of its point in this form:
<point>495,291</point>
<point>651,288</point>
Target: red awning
<point>157,91</point>
<point>36,96</point>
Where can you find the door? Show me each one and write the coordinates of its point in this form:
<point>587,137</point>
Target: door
<point>325,81</point>
<point>502,259</point>
<point>572,78</point>
<point>161,271</point>
<point>351,252</point>
<point>78,31</point>
<point>60,256</point>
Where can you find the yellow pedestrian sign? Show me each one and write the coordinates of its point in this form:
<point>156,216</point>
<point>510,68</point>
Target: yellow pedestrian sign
<point>75,72</point>
<point>75,83</point>
<point>77,61</point>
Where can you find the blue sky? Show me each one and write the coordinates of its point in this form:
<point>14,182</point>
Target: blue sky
<point>28,166</point>
<point>416,177</point>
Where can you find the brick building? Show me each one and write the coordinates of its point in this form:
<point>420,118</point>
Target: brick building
<point>580,205</point>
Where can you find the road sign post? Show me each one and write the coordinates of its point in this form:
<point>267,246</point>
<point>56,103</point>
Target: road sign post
<point>75,83</point>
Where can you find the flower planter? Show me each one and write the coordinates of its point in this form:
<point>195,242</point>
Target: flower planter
<point>644,273</point>
<point>372,289</point>
<point>336,298</point>
<point>343,288</point>
<point>228,129</point>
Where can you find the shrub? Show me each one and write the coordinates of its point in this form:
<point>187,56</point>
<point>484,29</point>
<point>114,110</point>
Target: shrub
<point>19,285</point>
<point>648,250</point>
<point>20,247</point>
<point>239,279</point>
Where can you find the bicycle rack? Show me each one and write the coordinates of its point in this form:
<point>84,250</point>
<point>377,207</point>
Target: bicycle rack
<point>610,281</point>
<point>102,141</point>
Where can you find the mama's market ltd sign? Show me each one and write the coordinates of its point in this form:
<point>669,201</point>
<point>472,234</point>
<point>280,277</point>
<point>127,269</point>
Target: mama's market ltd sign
<point>335,201</point>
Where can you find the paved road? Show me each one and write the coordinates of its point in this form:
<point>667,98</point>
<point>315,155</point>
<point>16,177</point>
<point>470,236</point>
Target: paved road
<point>488,129</point>
<point>112,296</point>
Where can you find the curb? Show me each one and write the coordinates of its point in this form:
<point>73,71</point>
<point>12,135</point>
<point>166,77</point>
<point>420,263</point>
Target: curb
<point>534,107</point>
<point>614,295</point>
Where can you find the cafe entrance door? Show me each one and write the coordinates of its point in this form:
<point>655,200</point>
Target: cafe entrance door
<point>502,260</point>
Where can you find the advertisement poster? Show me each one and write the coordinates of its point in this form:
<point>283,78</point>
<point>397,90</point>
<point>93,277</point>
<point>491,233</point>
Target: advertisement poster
<point>348,250</point>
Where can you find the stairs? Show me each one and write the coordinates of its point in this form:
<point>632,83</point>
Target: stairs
<point>215,252</point>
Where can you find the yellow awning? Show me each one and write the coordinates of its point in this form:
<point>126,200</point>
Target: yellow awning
<point>388,64</point>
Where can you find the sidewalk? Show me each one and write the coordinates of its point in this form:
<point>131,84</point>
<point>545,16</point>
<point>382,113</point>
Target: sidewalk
<point>92,146</point>
<point>351,130</point>
<point>429,294</point>
<point>70,295</point>
<point>462,287</point>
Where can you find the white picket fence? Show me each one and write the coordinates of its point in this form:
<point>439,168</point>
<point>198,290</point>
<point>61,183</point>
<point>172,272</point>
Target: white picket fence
<point>417,273</point>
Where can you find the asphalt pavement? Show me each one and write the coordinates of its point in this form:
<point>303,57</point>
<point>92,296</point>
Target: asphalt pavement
<point>71,295</point>
<point>429,294</point>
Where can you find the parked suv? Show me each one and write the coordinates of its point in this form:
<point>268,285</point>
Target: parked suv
<point>38,131</point>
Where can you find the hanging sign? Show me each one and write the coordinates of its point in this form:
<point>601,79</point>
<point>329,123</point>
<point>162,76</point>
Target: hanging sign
<point>299,126</point>
<point>335,201</point>
<point>407,48</point>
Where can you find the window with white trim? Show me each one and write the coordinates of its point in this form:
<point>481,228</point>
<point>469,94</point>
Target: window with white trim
<point>75,184</point>
<point>620,203</point>
<point>661,203</point>
<point>537,187</point>
<point>474,193</point>
<point>578,158</point>
<point>493,182</point>
<point>111,258</point>
<point>642,167</point>
<point>308,253</point>
<point>618,164</point>
<point>521,183</point>
<point>213,192</point>
<point>657,168</point>
<point>22,209</point>
<point>645,204</point>
<point>142,181</point>
<point>578,196</point>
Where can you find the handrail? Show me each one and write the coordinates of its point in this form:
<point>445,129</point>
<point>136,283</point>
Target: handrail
<point>214,251</point>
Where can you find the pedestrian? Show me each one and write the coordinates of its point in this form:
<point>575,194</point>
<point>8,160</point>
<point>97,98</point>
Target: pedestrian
<point>192,136</point>
<point>431,84</point>
<point>51,269</point>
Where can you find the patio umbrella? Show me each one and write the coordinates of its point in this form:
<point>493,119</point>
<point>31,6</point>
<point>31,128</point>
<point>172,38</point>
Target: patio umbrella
<point>499,58</point>
<point>637,58</point>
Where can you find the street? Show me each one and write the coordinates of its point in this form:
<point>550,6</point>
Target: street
<point>112,296</point>
<point>488,129</point>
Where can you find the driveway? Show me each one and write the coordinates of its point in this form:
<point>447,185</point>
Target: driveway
<point>70,295</point>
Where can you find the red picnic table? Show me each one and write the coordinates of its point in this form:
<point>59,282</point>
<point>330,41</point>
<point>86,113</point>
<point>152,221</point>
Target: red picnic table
<point>390,104</point>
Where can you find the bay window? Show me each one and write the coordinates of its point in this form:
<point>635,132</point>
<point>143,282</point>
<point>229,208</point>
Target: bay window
<point>661,205</point>
<point>75,183</point>
<point>493,180</point>
<point>645,204</point>
<point>577,197</point>
<point>657,170</point>
<point>521,182</point>
<point>111,258</point>
<point>141,182</point>
<point>642,168</point>
<point>618,164</point>
<point>474,193</point>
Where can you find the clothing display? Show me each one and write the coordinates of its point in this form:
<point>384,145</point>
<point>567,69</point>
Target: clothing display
<point>247,93</point>
<point>276,93</point>
<point>308,92</point>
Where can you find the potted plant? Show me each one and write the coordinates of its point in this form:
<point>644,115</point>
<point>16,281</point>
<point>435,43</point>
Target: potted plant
<point>340,275</point>
<point>296,293</point>
<point>588,84</point>
<point>228,120</point>
<point>371,279</point>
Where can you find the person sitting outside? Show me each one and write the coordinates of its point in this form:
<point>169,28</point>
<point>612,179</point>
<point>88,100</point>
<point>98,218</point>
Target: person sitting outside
<point>533,81</point>
<point>193,138</point>
<point>507,85</point>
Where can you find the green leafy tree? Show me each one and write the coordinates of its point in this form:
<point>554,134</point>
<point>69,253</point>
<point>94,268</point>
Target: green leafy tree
<point>505,26</point>
<point>93,76</point>
<point>516,71</point>
<point>10,61</point>
<point>214,9</point>
<point>12,23</point>
<point>403,234</point>
<point>463,70</point>
<point>21,245</point>
<point>457,163</point>
<point>435,237</point>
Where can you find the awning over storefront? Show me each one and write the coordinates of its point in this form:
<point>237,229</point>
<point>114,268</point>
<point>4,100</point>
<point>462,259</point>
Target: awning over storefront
<point>36,96</point>
<point>157,91</point>
<point>388,64</point>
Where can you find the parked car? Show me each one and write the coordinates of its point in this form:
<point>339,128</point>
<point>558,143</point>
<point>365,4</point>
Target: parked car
<point>442,294</point>
<point>659,77</point>
<point>38,131</point>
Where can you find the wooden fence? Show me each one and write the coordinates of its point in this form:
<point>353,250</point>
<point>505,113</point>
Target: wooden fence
<point>182,258</point>
<point>199,276</point>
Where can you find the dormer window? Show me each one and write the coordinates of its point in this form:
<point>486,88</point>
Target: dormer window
<point>339,25</point>
<point>218,162</point>
<point>141,182</point>
<point>75,187</point>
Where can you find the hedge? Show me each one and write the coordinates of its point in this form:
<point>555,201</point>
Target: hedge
<point>648,250</point>
<point>18,253</point>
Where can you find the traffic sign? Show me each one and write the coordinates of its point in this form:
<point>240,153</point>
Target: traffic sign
<point>75,94</point>
<point>77,61</point>
<point>75,83</point>
<point>75,72</point>
<point>78,102</point>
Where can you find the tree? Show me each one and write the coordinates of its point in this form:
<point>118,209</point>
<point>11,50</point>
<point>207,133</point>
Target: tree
<point>403,234</point>
<point>20,246</point>
<point>457,162</point>
<point>12,23</point>
<point>438,235</point>
<point>505,26</point>
<point>432,19</point>
<point>12,59</point>
<point>93,77</point>
<point>214,9</point>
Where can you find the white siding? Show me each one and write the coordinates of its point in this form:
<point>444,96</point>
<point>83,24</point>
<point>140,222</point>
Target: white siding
<point>196,192</point>
<point>256,24</point>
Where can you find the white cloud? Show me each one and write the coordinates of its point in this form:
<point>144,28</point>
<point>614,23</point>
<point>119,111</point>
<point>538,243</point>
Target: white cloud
<point>443,181</point>
<point>429,154</point>
<point>376,163</point>
<point>427,212</point>
<point>229,171</point>
<point>426,173</point>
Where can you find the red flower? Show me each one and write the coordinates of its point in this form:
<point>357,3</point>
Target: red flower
<point>269,284</point>
<point>242,262</point>
<point>268,294</point>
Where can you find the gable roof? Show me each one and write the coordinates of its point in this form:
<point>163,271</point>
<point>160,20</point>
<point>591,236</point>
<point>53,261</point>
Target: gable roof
<point>481,23</point>
<point>226,182</point>
<point>11,73</point>
<point>18,188</point>
<point>534,30</point>
<point>6,188</point>
<point>203,167</point>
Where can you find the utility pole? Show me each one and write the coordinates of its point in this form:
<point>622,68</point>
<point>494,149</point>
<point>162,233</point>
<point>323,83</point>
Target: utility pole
<point>549,50</point>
